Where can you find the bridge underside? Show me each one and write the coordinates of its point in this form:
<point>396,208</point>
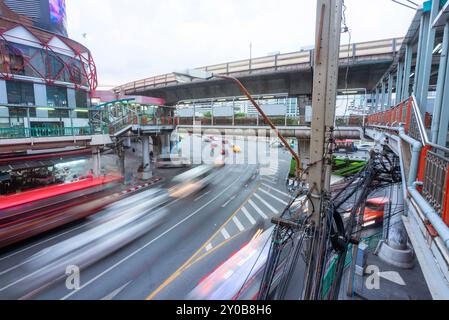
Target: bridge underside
<point>294,81</point>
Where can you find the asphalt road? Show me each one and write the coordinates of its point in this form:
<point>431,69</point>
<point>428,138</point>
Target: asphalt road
<point>207,226</point>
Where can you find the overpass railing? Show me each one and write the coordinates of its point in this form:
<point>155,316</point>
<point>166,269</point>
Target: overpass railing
<point>350,121</point>
<point>120,115</point>
<point>42,132</point>
<point>433,169</point>
<point>141,120</point>
<point>275,62</point>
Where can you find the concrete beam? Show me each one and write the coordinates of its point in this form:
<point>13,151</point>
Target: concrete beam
<point>294,81</point>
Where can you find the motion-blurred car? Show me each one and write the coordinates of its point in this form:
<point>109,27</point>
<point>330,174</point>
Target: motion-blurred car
<point>374,212</point>
<point>194,180</point>
<point>172,161</point>
<point>365,147</point>
<point>240,277</point>
<point>236,149</point>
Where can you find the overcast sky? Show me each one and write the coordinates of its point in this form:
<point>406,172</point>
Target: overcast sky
<point>131,40</point>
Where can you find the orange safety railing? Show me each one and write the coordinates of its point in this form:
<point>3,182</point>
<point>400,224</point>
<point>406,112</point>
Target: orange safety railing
<point>433,170</point>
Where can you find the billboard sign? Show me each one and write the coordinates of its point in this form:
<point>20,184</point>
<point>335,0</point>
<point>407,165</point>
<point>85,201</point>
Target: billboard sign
<point>58,17</point>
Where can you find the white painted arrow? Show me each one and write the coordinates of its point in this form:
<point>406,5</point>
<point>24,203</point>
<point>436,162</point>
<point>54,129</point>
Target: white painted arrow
<point>392,276</point>
<point>114,293</point>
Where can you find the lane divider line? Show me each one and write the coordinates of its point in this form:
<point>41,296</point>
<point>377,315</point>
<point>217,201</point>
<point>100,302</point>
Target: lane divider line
<point>188,263</point>
<point>148,243</point>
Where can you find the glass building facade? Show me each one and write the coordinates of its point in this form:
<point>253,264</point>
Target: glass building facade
<point>45,78</point>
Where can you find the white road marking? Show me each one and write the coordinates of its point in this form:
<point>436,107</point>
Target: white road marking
<point>149,243</point>
<point>114,293</point>
<point>46,240</point>
<point>260,212</point>
<point>392,276</point>
<point>202,196</point>
<point>229,201</point>
<point>266,204</point>
<point>225,233</point>
<point>274,197</point>
<point>264,178</point>
<point>34,257</point>
<point>274,189</point>
<point>250,217</point>
<point>238,224</point>
<point>209,247</point>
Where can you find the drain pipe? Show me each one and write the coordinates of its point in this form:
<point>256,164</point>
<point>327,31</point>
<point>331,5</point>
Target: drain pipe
<point>416,154</point>
<point>428,211</point>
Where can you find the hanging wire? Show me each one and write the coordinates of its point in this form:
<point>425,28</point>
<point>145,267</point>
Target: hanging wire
<point>406,5</point>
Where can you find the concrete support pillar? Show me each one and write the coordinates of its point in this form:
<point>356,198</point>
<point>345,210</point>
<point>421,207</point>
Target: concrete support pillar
<point>423,31</point>
<point>399,79</point>
<point>407,72</point>
<point>146,164</point>
<point>127,141</point>
<point>444,118</point>
<point>382,96</point>
<point>441,84</point>
<point>212,113</point>
<point>390,91</point>
<point>165,140</point>
<point>426,58</point>
<point>96,161</point>
<point>121,162</point>
<point>376,107</point>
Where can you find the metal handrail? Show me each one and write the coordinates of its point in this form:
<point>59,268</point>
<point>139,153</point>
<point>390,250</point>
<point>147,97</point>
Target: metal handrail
<point>432,167</point>
<point>21,132</point>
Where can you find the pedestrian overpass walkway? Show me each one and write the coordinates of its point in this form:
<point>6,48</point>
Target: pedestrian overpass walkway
<point>425,171</point>
<point>288,72</point>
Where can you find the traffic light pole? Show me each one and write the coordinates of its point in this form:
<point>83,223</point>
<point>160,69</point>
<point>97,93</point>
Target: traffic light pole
<point>325,80</point>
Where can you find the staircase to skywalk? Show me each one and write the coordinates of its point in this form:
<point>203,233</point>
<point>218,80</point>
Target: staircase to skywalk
<point>122,116</point>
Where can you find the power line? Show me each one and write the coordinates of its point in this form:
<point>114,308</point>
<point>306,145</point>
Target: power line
<point>405,5</point>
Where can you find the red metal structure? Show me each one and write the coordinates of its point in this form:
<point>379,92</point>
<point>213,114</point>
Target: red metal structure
<point>32,212</point>
<point>433,169</point>
<point>37,56</point>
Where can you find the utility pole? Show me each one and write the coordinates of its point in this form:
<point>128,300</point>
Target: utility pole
<point>325,80</point>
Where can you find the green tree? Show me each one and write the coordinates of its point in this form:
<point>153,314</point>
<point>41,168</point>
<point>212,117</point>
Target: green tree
<point>207,115</point>
<point>240,115</point>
